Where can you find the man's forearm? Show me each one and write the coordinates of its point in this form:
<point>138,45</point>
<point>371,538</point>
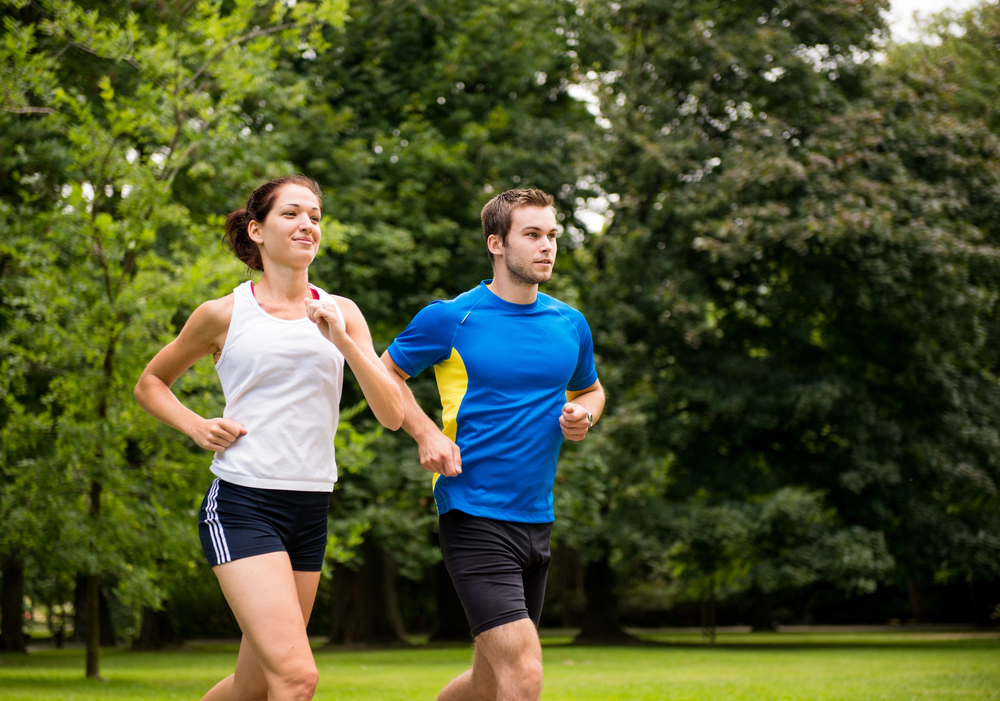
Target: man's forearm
<point>415,421</point>
<point>592,401</point>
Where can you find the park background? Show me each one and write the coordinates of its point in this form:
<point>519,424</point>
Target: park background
<point>782,226</point>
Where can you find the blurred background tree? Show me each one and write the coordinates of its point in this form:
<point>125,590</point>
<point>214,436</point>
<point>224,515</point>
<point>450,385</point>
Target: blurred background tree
<point>797,290</point>
<point>782,228</point>
<point>111,258</point>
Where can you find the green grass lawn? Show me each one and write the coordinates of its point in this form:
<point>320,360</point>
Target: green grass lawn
<point>841,667</point>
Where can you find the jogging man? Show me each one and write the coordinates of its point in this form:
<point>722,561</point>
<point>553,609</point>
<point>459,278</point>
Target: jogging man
<point>515,371</point>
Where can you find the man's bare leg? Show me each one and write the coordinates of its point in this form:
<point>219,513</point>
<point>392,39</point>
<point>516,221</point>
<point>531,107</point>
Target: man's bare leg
<point>506,666</point>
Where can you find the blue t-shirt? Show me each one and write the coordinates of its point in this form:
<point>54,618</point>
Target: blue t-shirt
<point>502,370</point>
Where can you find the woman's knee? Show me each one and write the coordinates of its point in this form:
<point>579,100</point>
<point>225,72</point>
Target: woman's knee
<point>298,681</point>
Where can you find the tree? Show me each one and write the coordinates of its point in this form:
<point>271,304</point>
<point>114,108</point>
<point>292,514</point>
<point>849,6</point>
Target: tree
<point>785,299</point>
<point>958,63</point>
<point>138,100</point>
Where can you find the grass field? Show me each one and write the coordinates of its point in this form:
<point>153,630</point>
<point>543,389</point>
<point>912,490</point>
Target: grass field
<point>743,667</point>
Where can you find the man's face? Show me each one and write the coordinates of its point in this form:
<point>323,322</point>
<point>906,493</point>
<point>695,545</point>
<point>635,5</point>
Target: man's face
<point>530,251</point>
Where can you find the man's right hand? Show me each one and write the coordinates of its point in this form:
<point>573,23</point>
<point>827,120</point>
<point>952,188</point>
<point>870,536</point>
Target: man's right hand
<point>439,454</point>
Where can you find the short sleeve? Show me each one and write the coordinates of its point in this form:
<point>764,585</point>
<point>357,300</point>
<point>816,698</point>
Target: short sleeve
<point>585,374</point>
<point>426,341</point>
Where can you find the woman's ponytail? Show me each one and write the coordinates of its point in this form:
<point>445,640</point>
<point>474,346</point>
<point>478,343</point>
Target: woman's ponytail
<point>239,240</point>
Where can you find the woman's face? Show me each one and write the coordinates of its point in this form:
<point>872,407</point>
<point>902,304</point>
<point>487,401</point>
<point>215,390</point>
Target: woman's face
<point>289,236</point>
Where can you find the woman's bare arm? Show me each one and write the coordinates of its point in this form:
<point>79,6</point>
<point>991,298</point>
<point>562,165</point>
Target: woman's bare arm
<point>203,334</point>
<point>355,342</point>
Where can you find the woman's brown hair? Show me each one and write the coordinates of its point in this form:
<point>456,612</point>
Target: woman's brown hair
<point>258,206</point>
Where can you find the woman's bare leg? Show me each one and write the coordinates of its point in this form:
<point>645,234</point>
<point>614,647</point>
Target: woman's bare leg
<point>272,604</point>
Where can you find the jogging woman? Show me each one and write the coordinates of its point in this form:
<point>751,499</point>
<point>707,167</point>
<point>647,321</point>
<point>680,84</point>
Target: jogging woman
<point>279,346</point>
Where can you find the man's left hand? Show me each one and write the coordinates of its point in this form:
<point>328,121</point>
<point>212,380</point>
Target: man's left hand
<point>574,422</point>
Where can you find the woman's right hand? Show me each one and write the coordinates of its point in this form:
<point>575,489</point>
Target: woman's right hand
<point>329,322</point>
<point>216,434</point>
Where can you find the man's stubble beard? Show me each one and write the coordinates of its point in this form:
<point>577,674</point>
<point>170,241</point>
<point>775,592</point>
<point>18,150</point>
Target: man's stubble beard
<point>524,274</point>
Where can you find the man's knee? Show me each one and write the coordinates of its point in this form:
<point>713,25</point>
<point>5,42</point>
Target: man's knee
<point>523,675</point>
<point>527,674</point>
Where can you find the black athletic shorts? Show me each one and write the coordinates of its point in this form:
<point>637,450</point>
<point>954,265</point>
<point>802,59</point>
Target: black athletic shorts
<point>237,522</point>
<point>498,567</point>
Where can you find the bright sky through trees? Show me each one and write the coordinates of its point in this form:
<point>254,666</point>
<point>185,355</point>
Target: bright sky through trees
<point>901,15</point>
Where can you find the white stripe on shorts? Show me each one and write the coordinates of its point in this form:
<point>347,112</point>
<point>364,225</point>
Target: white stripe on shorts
<point>215,525</point>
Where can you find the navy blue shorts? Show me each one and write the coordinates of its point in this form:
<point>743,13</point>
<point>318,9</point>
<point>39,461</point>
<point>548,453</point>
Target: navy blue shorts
<point>237,522</point>
<point>499,568</point>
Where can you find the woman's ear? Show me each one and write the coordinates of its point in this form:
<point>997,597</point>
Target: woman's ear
<point>253,231</point>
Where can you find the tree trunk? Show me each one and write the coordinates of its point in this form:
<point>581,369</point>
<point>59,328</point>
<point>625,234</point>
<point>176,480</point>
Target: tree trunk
<point>761,610</point>
<point>94,599</point>
<point>106,635</point>
<point>157,630</point>
<point>565,586</point>
<point>93,639</point>
<point>79,609</point>
<point>600,618</point>
<point>12,638</point>
<point>708,611</point>
<point>917,603</point>
<point>107,638</point>
<point>365,607</point>
<point>450,623</point>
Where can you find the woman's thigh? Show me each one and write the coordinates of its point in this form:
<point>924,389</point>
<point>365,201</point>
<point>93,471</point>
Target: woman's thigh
<point>249,681</point>
<point>272,603</point>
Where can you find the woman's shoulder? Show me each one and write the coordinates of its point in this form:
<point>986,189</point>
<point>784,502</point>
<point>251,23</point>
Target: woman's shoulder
<point>345,303</point>
<point>213,315</point>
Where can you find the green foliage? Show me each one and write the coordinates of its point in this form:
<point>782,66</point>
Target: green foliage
<point>957,63</point>
<point>796,294</point>
<point>794,299</point>
<point>106,258</point>
<point>419,113</point>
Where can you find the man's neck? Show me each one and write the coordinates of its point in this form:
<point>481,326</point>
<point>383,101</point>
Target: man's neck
<point>511,291</point>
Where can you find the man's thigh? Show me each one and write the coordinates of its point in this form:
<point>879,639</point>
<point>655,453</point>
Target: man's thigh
<point>498,568</point>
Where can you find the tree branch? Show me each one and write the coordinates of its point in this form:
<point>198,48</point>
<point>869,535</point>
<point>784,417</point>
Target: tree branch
<point>28,110</point>
<point>180,162</point>
<point>91,50</point>
<point>233,42</point>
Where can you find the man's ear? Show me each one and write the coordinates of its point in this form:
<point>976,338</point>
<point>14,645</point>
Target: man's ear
<point>493,245</point>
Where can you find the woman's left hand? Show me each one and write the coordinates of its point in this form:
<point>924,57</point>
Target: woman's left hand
<point>325,316</point>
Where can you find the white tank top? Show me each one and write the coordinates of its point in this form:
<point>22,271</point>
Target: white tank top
<point>282,380</point>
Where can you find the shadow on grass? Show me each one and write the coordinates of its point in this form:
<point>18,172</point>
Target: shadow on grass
<point>770,643</point>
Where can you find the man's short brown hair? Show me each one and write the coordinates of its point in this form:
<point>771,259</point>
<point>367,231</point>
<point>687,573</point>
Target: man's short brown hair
<point>498,212</point>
